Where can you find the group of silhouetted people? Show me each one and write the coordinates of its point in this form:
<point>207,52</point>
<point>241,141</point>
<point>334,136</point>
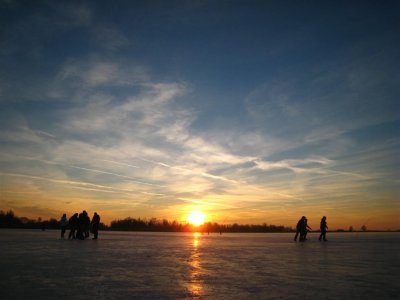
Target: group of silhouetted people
<point>80,225</point>
<point>302,229</point>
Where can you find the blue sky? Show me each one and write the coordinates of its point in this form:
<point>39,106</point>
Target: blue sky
<point>250,111</point>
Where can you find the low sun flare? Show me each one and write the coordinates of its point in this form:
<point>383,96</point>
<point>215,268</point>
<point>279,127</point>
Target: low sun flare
<point>196,218</point>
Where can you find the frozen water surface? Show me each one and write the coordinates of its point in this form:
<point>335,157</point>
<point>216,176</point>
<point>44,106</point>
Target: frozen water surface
<point>39,265</point>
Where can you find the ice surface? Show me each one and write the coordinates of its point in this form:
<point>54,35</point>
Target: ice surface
<point>39,265</point>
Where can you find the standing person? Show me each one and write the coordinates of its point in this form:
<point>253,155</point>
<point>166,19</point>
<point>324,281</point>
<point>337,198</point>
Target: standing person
<point>304,230</point>
<point>64,224</point>
<point>323,226</point>
<point>298,227</point>
<point>81,226</point>
<point>95,225</point>
<point>86,224</point>
<point>73,224</point>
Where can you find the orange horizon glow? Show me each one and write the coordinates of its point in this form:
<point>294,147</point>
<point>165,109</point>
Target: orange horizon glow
<point>342,220</point>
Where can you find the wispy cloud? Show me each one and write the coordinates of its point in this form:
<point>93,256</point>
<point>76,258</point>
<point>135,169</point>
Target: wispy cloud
<point>121,164</point>
<point>113,174</point>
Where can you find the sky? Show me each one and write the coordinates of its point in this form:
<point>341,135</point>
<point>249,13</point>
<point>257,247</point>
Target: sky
<point>248,111</point>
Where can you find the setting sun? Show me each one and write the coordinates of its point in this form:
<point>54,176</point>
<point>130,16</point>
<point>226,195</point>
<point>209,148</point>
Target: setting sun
<point>196,218</point>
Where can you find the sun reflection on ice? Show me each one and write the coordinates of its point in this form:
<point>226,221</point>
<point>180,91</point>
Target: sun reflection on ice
<point>195,285</point>
<point>196,240</point>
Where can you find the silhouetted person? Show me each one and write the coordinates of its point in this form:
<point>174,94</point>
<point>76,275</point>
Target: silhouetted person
<point>64,224</point>
<point>86,224</point>
<point>298,227</point>
<point>323,226</point>
<point>81,226</point>
<point>73,224</point>
<point>95,225</point>
<point>304,230</point>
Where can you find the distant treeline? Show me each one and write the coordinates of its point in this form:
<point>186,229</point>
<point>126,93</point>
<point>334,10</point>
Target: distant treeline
<point>131,224</point>
<point>10,220</point>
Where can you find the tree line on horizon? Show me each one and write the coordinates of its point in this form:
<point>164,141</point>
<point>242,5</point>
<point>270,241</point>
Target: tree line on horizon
<point>174,226</point>
<point>10,220</point>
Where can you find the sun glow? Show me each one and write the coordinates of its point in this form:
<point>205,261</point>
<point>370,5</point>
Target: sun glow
<point>196,218</point>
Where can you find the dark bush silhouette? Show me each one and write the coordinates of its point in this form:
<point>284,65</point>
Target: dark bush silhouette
<point>8,219</point>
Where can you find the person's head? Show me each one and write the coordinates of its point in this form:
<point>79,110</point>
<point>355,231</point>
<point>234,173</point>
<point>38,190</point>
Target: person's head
<point>323,218</point>
<point>84,212</point>
<point>303,218</point>
<point>75,214</point>
<point>64,215</point>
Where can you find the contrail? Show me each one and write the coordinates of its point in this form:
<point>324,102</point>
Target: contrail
<point>41,132</point>
<point>99,190</point>
<point>156,163</point>
<point>81,185</point>
<point>58,180</point>
<point>204,202</point>
<point>204,174</point>
<point>114,174</point>
<point>118,163</point>
<point>94,170</point>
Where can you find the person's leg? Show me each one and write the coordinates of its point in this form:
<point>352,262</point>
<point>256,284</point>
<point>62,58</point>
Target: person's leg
<point>95,232</point>
<point>87,234</point>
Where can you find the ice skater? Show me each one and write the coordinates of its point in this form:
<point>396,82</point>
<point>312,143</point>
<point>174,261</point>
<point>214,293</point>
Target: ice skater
<point>95,225</point>
<point>298,227</point>
<point>80,234</point>
<point>304,230</point>
<point>64,224</point>
<point>323,226</point>
<point>73,225</point>
<point>86,224</point>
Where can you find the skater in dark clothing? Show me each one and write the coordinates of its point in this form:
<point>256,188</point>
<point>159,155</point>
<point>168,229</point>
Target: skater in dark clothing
<point>81,226</point>
<point>73,224</point>
<point>304,230</point>
<point>323,226</point>
<point>95,225</point>
<point>64,224</point>
<point>298,227</point>
<point>86,224</point>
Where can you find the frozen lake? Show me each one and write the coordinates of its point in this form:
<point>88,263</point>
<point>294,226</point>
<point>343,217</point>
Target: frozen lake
<point>39,265</point>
